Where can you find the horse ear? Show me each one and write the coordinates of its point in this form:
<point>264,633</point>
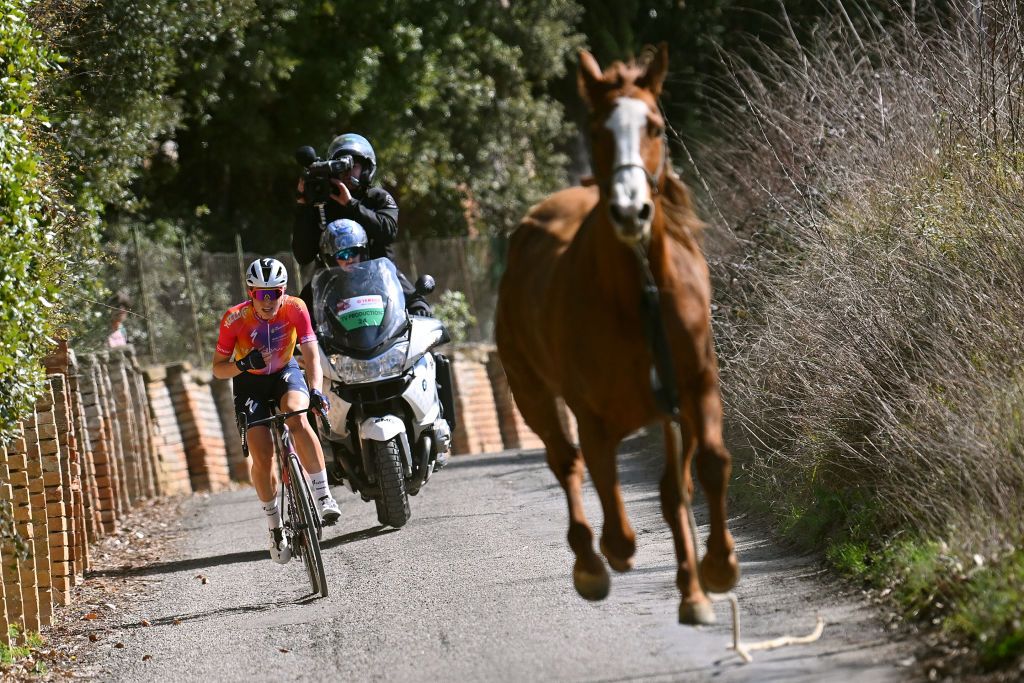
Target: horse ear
<point>589,75</point>
<point>657,68</point>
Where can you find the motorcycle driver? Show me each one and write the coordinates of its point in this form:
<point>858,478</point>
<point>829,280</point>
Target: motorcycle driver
<point>355,199</point>
<point>254,350</point>
<point>344,244</point>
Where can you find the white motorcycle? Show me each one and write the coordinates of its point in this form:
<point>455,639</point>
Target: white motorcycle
<point>389,421</point>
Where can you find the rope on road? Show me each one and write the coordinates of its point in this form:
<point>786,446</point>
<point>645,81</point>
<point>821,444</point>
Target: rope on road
<point>742,649</point>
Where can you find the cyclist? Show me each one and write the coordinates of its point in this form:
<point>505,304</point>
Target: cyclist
<point>254,349</point>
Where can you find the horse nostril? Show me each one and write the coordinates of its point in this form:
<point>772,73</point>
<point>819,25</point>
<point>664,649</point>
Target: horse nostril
<point>616,211</point>
<point>645,212</point>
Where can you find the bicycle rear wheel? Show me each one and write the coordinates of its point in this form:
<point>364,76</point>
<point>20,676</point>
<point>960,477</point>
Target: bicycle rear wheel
<point>306,527</point>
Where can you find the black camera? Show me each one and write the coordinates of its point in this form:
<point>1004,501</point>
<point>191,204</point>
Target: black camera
<point>317,174</point>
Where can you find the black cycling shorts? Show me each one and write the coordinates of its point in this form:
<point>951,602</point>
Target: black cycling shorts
<point>258,395</point>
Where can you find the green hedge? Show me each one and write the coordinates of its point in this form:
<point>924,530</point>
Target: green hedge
<point>31,260</point>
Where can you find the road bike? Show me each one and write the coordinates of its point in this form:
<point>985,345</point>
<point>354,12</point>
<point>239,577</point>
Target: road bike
<point>301,522</point>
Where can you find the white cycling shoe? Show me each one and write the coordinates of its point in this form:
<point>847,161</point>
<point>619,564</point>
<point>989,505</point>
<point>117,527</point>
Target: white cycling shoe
<point>280,551</point>
<point>329,512</point>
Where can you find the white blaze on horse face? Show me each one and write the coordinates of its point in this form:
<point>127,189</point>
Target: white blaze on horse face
<point>629,202</point>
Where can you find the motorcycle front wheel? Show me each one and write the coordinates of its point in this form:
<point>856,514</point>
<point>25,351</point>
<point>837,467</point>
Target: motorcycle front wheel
<point>393,505</point>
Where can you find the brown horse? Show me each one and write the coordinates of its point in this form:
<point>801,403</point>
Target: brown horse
<point>569,325</point>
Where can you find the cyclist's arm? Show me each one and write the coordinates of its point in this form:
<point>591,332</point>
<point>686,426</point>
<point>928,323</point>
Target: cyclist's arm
<point>311,360</point>
<point>224,367</point>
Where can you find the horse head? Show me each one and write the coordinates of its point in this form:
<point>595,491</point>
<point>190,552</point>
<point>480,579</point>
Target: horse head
<point>627,138</point>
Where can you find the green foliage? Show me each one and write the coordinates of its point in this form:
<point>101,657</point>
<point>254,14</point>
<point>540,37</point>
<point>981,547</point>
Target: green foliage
<point>12,653</point>
<point>991,612</point>
<point>30,265</point>
<point>453,311</point>
<point>195,109</point>
<point>134,69</point>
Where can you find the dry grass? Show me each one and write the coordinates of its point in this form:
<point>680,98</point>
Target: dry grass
<point>869,214</point>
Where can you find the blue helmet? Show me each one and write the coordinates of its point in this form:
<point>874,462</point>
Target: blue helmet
<point>340,235</point>
<point>355,145</point>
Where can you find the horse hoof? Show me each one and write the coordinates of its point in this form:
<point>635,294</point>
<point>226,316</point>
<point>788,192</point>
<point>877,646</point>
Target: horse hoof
<point>696,613</point>
<point>619,564</point>
<point>592,586</point>
<point>719,576</point>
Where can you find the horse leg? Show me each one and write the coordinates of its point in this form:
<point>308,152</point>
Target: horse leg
<point>719,569</point>
<point>694,607</point>
<point>618,540</point>
<point>540,412</point>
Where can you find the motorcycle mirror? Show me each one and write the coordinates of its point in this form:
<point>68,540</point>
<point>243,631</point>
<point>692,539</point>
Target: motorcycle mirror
<point>425,284</point>
<point>305,155</point>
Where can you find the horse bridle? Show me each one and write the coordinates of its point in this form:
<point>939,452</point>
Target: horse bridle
<point>653,180</point>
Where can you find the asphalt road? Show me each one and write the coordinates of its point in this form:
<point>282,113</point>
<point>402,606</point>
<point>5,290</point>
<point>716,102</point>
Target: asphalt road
<point>476,587</point>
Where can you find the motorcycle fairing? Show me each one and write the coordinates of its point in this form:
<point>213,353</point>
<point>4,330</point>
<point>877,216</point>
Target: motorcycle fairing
<point>359,309</point>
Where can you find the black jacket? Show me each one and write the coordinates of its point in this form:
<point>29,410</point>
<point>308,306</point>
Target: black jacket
<point>376,211</point>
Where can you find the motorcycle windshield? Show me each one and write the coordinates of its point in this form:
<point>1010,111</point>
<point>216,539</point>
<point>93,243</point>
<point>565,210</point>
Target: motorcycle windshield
<point>359,307</point>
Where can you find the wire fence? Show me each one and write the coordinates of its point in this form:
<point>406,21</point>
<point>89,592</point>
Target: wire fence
<point>178,295</point>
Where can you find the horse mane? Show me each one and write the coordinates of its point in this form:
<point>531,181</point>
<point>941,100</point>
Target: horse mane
<point>681,219</point>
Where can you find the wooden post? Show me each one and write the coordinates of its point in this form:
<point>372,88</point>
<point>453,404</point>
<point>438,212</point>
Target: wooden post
<point>145,298</point>
<point>191,299</point>
<point>241,264</point>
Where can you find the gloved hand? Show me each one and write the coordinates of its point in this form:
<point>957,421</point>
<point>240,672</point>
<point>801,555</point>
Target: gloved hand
<point>420,308</point>
<point>253,361</point>
<point>318,401</point>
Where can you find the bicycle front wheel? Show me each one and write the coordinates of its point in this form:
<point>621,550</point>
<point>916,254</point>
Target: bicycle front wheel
<point>306,527</point>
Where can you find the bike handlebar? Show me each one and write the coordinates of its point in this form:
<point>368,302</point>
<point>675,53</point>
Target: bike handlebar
<point>279,418</point>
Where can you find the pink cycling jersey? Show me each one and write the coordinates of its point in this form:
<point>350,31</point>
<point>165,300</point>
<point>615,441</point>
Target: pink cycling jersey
<point>241,331</point>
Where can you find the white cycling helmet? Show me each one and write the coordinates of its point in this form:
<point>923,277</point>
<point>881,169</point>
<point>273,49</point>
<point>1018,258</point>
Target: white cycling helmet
<point>266,273</point>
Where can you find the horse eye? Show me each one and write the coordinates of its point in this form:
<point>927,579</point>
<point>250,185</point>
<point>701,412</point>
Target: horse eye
<point>654,130</point>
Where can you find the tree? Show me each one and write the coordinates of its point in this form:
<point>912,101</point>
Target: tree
<point>452,96</point>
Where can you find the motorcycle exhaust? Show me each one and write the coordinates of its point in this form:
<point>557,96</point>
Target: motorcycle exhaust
<point>423,460</point>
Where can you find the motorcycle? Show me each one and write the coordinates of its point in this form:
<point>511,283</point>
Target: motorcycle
<point>390,418</point>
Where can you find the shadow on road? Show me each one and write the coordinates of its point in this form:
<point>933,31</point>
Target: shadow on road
<point>233,558</point>
<point>178,619</point>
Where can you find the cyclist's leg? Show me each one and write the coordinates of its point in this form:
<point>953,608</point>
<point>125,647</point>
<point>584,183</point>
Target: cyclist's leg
<point>295,396</point>
<point>252,398</point>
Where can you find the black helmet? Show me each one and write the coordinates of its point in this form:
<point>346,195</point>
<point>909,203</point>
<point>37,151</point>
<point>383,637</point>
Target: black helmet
<point>355,145</point>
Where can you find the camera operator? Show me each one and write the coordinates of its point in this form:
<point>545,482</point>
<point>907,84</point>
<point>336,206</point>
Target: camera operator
<point>349,195</point>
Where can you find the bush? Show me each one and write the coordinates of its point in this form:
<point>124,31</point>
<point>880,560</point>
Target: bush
<point>31,256</point>
<point>453,311</point>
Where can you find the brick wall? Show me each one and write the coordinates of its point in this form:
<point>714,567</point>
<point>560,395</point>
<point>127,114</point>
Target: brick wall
<point>107,434</point>
<point>171,462</point>
<point>200,427</point>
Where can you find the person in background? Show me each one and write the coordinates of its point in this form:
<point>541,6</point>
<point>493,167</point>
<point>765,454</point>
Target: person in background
<point>355,199</point>
<point>121,305</point>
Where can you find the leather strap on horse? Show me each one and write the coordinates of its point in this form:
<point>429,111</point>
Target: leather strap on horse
<point>665,395</point>
<point>667,398</point>
<point>654,180</point>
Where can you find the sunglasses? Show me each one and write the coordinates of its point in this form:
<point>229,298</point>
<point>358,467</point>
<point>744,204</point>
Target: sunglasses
<point>346,254</point>
<point>266,294</point>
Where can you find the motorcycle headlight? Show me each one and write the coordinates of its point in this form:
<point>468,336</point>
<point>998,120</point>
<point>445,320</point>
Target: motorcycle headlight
<point>385,366</point>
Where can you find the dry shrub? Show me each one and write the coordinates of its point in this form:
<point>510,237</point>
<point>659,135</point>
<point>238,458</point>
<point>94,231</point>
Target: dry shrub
<point>869,256</point>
